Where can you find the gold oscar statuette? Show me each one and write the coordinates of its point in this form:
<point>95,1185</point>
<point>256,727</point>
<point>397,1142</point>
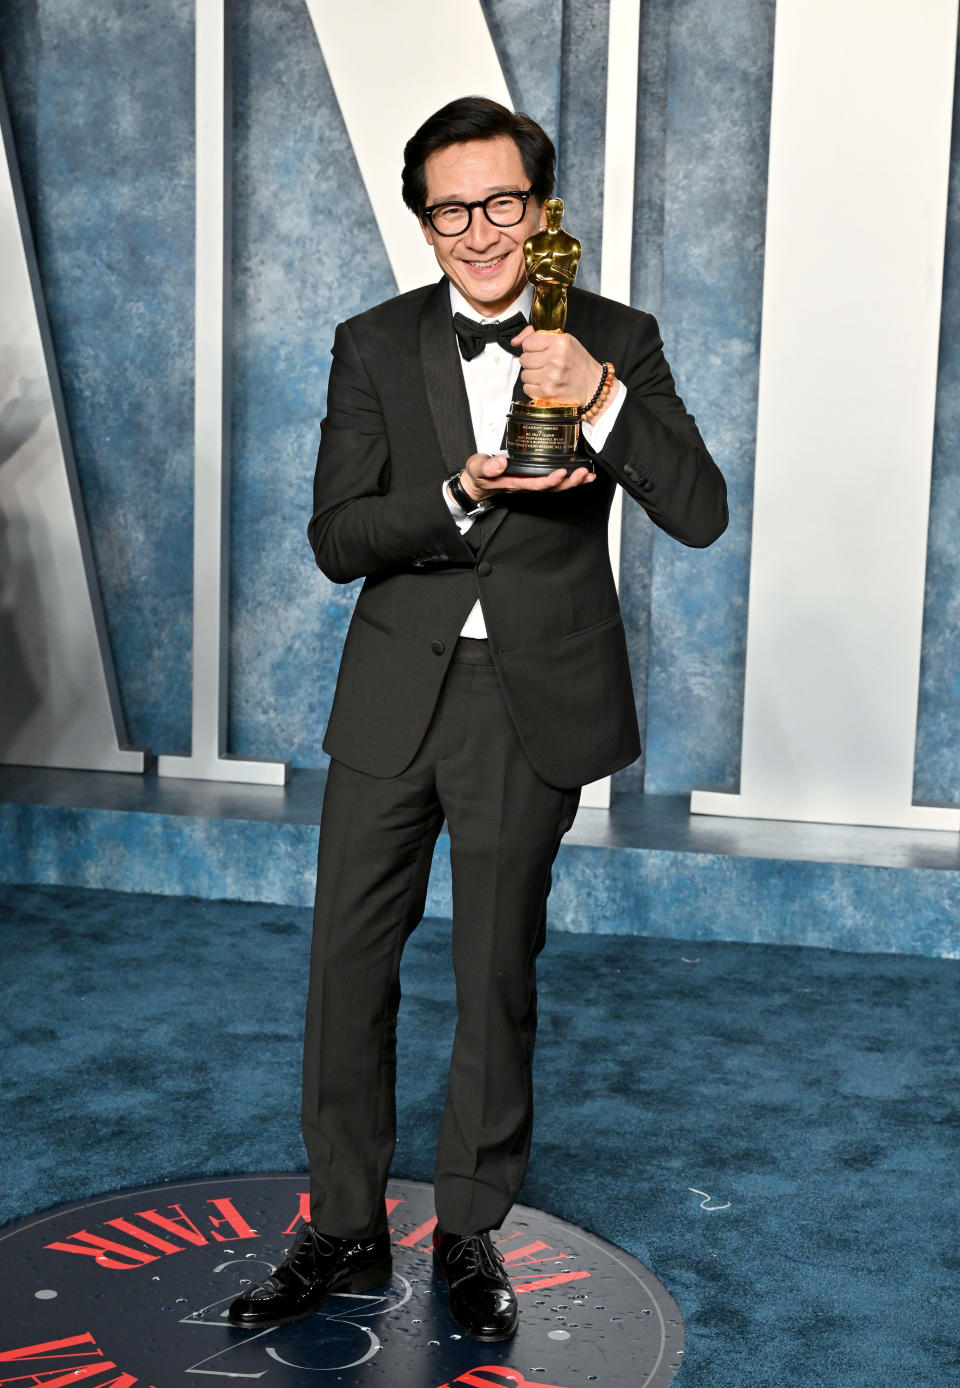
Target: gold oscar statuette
<point>542,434</point>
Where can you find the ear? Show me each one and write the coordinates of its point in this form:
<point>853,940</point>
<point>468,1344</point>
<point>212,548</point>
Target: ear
<point>427,230</point>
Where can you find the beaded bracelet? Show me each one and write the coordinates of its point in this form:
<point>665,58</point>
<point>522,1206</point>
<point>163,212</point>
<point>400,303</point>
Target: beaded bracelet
<point>595,404</point>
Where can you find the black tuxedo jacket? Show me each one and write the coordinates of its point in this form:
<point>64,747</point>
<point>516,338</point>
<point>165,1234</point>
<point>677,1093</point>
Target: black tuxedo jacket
<point>398,423</point>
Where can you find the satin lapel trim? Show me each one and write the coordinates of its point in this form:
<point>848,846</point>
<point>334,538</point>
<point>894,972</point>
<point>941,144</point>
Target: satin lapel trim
<point>443,381</point>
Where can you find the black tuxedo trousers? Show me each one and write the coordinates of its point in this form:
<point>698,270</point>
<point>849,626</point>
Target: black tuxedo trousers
<point>377,837</point>
<point>497,738</point>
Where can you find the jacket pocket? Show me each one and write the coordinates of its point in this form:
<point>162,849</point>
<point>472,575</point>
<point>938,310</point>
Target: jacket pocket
<point>594,626</point>
<point>372,622</point>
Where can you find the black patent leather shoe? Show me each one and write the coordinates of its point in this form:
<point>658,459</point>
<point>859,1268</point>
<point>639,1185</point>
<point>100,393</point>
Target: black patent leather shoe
<point>316,1265</point>
<point>483,1303</point>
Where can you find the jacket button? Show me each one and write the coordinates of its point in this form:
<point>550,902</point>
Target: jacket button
<point>484,569</point>
<point>630,471</point>
<point>437,647</point>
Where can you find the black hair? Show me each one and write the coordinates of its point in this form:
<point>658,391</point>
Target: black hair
<point>476,118</point>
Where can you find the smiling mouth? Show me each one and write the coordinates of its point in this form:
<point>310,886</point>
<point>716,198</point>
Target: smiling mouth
<point>485,267</point>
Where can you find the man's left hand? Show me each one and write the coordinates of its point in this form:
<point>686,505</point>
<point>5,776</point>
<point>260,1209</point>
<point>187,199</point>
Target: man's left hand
<point>555,366</point>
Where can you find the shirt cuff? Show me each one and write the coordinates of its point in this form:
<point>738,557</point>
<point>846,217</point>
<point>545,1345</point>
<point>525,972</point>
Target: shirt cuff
<point>597,434</point>
<point>463,521</point>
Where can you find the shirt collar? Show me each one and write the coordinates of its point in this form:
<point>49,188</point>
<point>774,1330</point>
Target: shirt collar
<point>521,304</point>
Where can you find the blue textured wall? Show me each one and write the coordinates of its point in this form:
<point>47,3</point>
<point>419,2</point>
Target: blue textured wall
<point>719,75</point>
<point>306,254</point>
<point>102,102</point>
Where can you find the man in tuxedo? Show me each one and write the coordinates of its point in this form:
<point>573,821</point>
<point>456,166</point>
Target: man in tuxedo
<point>484,680</point>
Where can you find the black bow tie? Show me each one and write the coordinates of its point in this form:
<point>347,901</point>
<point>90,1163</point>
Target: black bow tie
<point>473,336</point>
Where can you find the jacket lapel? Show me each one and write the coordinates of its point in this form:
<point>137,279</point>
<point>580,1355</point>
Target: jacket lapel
<point>443,380</point>
<point>574,325</point>
<point>490,524</point>
<point>447,398</point>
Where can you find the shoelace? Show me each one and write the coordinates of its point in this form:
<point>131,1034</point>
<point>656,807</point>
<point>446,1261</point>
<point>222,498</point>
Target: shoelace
<point>479,1257</point>
<point>307,1241</point>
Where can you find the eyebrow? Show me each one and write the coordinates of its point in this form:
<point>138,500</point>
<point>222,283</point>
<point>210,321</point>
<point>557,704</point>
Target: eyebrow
<point>497,188</point>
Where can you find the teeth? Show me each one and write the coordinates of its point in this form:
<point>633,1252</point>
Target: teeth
<point>482,264</point>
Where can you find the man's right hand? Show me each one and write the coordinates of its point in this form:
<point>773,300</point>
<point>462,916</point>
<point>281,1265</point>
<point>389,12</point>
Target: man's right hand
<point>482,478</point>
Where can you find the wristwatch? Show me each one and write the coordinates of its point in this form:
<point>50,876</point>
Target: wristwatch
<point>463,499</point>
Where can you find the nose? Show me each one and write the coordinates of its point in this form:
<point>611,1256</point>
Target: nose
<point>481,232</point>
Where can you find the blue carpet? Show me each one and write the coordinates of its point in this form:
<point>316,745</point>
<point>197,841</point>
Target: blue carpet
<point>773,1130</point>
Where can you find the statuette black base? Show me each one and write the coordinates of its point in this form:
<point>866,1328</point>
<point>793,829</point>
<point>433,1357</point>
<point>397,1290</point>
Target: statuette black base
<point>540,467</point>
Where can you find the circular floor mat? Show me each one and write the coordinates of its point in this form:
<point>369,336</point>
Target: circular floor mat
<point>131,1290</point>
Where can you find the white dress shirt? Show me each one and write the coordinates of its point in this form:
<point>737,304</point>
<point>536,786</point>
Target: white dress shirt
<point>490,377</point>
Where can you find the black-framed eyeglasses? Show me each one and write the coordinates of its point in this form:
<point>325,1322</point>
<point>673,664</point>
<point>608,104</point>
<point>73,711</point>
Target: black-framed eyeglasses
<point>502,209</point>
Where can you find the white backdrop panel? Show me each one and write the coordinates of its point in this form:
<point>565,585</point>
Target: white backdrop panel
<point>391,66</point>
<point>856,216</point>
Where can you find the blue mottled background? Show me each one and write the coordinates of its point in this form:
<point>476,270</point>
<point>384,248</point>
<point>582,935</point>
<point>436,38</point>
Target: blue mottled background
<point>101,96</point>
